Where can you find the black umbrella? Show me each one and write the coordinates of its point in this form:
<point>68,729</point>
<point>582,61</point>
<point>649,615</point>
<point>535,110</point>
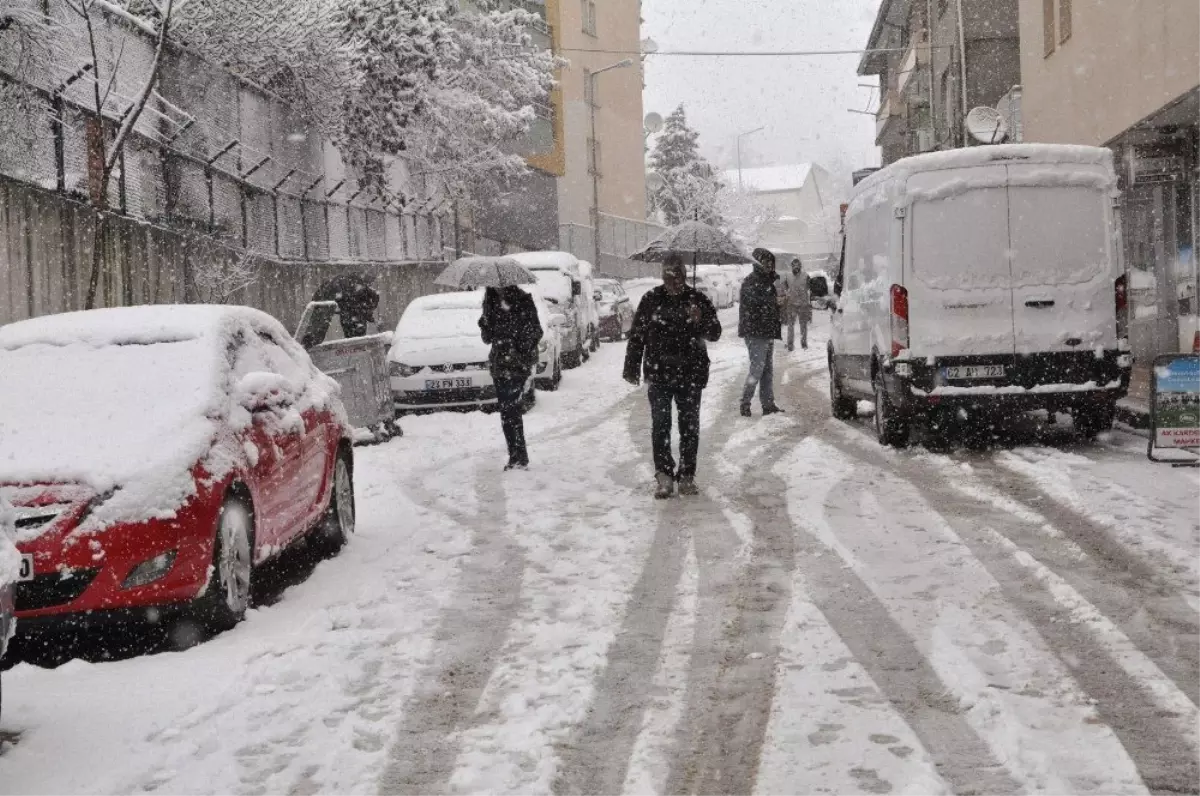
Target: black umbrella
<point>704,243</point>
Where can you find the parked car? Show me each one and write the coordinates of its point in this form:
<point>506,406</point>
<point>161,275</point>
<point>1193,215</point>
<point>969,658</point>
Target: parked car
<point>637,288</point>
<point>155,456</point>
<point>438,359</point>
<point>979,281</point>
<point>591,308</point>
<point>558,275</point>
<point>715,288</point>
<point>548,375</point>
<point>723,291</point>
<point>736,277</point>
<point>616,310</point>
<point>12,568</point>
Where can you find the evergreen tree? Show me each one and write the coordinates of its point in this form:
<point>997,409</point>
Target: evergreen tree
<point>690,187</point>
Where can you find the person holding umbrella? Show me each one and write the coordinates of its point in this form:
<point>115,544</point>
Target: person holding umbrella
<point>760,324</point>
<point>510,325</point>
<point>667,347</point>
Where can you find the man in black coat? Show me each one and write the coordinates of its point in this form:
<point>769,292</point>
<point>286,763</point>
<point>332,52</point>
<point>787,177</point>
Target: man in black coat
<point>667,347</point>
<point>760,324</point>
<point>511,327</point>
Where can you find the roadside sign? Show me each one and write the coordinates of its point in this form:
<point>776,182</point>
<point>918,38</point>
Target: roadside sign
<point>1175,407</point>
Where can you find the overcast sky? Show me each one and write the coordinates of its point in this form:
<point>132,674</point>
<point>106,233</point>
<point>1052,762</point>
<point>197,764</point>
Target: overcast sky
<point>802,102</point>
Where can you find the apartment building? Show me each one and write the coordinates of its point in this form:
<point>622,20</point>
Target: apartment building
<point>1127,75</point>
<point>586,152</point>
<point>937,59</point>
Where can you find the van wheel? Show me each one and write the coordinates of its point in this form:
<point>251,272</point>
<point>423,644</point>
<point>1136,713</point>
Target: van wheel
<point>843,408</point>
<point>891,429</point>
<point>1092,421</point>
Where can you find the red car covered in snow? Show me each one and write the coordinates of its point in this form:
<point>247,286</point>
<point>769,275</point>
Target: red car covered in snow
<point>155,456</point>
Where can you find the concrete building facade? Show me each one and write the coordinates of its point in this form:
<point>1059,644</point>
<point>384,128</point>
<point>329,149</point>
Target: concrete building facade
<point>924,53</point>
<point>1127,76</point>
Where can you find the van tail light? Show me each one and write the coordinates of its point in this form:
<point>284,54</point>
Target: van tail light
<point>1121,299</point>
<point>899,320</point>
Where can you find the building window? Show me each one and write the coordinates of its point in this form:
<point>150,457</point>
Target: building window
<point>594,162</point>
<point>1064,20</point>
<point>1048,39</point>
<point>588,12</point>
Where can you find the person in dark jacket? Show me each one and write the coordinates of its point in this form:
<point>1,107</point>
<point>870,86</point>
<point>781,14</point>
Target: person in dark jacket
<point>667,347</point>
<point>510,326</point>
<point>760,324</point>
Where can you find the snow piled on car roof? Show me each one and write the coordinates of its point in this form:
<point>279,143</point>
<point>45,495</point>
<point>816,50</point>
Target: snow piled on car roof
<point>544,260</point>
<point>127,325</point>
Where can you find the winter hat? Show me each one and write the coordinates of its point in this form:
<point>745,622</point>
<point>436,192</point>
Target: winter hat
<point>764,257</point>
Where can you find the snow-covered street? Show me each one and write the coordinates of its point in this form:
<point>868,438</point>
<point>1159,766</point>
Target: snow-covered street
<point>827,617</point>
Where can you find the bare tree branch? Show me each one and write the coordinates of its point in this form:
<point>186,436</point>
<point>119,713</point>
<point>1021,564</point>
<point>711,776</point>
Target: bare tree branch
<point>131,118</point>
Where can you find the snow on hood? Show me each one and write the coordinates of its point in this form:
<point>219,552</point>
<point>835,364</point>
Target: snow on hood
<point>440,351</point>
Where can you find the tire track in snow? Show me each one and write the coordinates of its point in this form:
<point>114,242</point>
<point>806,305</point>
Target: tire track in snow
<point>1127,698</point>
<point>469,639</point>
<point>597,761</point>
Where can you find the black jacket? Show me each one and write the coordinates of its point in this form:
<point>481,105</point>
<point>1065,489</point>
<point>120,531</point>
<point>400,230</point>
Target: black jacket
<point>665,345</point>
<point>511,327</point>
<point>759,315</point>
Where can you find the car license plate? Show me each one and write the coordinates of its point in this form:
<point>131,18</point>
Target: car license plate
<point>447,384</point>
<point>26,570</point>
<point>974,372</point>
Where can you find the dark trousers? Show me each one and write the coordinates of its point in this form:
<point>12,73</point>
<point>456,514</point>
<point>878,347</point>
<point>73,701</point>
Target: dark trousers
<point>509,392</point>
<point>687,403</point>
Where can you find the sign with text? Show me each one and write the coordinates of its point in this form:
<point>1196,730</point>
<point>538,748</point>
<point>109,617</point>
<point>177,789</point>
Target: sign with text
<point>1175,403</point>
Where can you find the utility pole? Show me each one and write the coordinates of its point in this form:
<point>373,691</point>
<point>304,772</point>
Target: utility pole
<point>590,97</point>
<point>739,153</point>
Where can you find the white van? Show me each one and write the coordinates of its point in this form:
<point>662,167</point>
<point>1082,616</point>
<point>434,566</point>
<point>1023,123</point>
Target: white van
<point>979,282</point>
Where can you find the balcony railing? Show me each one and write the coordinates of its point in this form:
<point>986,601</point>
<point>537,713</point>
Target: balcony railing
<point>915,59</point>
<point>887,111</point>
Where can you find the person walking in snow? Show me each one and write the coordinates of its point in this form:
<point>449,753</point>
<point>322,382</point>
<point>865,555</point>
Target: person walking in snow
<point>510,326</point>
<point>667,347</point>
<point>760,325</point>
<point>799,306</point>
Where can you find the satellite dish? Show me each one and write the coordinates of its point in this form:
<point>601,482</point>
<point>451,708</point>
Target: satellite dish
<point>655,182</point>
<point>653,122</point>
<point>987,125</point>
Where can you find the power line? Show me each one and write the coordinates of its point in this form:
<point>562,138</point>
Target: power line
<point>740,53</point>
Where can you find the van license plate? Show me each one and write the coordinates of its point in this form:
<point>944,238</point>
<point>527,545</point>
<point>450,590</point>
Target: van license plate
<point>974,372</point>
<point>26,571</point>
<point>448,384</point>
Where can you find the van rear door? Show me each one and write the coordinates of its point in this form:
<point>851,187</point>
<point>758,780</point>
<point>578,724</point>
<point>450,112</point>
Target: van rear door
<point>957,273</point>
<point>1063,257</point>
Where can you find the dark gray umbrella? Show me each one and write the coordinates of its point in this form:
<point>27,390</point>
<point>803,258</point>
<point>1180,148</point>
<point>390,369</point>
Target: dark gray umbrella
<point>469,273</point>
<point>703,243</point>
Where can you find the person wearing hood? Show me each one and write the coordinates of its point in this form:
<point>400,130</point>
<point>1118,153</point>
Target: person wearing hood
<point>510,326</point>
<point>760,325</point>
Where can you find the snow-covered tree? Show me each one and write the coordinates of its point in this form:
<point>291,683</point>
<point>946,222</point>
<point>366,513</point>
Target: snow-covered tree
<point>293,49</point>
<point>490,77</point>
<point>218,280</point>
<point>690,185</point>
<point>745,216</point>
<point>394,49</point>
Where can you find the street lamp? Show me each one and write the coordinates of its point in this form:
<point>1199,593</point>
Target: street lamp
<point>590,96</point>
<point>739,152</point>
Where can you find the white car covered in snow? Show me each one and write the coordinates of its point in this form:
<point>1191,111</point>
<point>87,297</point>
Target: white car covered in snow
<point>438,359</point>
<point>560,283</point>
<point>981,282</point>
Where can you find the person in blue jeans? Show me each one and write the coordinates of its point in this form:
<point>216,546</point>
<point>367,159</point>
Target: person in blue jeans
<point>760,325</point>
<point>668,346</point>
